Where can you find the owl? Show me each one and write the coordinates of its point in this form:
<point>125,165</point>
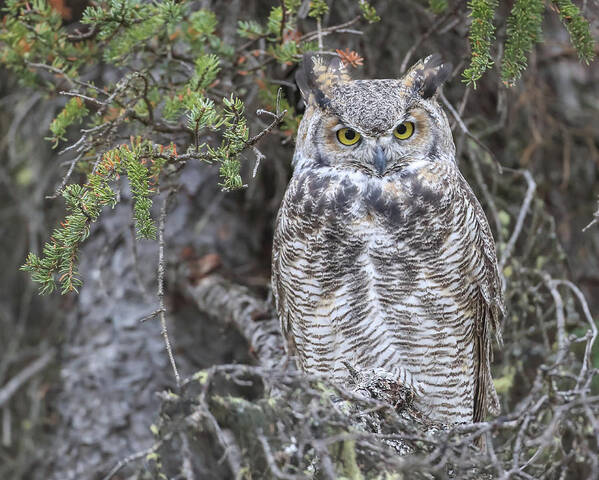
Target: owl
<point>383,259</point>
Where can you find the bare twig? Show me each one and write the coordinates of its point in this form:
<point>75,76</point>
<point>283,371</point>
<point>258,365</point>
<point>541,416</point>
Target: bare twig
<point>490,201</point>
<point>66,178</point>
<point>160,292</point>
<point>468,133</point>
<point>278,118</point>
<point>187,464</point>
<point>524,209</point>
<point>592,222</point>
<point>433,28</point>
<point>272,464</point>
<point>592,327</point>
<point>259,157</point>
<point>83,97</point>
<point>319,33</point>
<point>135,456</point>
<point>24,375</point>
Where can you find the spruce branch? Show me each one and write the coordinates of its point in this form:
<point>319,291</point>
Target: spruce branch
<point>58,264</point>
<point>524,27</point>
<point>481,36</point>
<point>578,28</point>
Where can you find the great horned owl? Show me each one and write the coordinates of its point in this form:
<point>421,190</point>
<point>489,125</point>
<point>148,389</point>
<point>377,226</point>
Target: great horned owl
<point>383,257</point>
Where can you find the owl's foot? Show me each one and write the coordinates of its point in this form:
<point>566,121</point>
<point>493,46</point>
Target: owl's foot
<point>397,388</point>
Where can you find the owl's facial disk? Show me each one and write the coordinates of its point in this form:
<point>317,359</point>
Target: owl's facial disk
<point>373,126</point>
<point>419,132</point>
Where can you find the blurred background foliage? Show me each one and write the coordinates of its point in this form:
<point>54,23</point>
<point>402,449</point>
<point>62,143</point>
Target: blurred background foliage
<point>129,110</point>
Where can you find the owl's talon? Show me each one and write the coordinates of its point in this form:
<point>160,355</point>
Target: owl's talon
<point>352,371</point>
<point>381,384</point>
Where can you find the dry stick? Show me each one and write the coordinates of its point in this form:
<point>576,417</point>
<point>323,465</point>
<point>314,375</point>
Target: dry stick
<point>528,416</point>
<point>187,464</point>
<point>521,215</point>
<point>326,31</point>
<point>328,469</point>
<point>72,81</point>
<point>534,456</point>
<point>83,97</point>
<point>491,451</point>
<point>464,101</point>
<point>52,69</point>
<point>65,179</point>
<point>589,318</point>
<point>593,222</point>
<point>278,118</point>
<point>478,175</point>
<point>160,292</point>
<point>135,456</point>
<point>468,133</point>
<point>231,451</point>
<point>220,298</point>
<point>475,166</point>
<point>319,30</point>
<point>545,440</point>
<point>592,419</point>
<point>560,318</point>
<point>272,464</point>
<point>78,145</point>
<point>427,34</point>
<point>29,371</point>
<point>259,157</point>
<point>149,316</point>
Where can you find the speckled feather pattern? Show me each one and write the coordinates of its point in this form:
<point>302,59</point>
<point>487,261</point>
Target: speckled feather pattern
<point>395,270</point>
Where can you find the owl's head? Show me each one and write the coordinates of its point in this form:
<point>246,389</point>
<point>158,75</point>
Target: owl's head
<point>374,126</point>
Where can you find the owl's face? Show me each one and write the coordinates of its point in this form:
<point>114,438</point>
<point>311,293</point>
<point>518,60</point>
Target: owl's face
<point>377,127</point>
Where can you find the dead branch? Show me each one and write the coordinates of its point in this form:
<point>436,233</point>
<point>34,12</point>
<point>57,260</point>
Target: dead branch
<point>231,303</point>
<point>524,209</point>
<point>13,385</point>
<point>160,292</point>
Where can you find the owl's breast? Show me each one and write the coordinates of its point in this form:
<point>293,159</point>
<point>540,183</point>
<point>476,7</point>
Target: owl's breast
<point>345,224</point>
<point>346,203</point>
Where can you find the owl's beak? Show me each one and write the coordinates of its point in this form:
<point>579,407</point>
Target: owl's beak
<point>380,161</point>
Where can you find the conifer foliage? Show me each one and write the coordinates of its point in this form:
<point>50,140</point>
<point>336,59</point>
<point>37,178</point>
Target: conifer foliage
<point>171,60</point>
<point>523,30</point>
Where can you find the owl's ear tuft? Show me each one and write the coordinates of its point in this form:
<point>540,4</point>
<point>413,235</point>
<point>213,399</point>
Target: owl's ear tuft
<point>427,75</point>
<point>317,77</point>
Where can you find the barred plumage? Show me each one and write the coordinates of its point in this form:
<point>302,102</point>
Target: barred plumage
<point>382,255</point>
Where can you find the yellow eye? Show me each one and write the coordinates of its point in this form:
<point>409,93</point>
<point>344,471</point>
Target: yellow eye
<point>404,130</point>
<point>347,136</point>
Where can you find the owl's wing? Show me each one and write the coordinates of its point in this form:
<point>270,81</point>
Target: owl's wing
<point>278,292</point>
<point>488,305</point>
